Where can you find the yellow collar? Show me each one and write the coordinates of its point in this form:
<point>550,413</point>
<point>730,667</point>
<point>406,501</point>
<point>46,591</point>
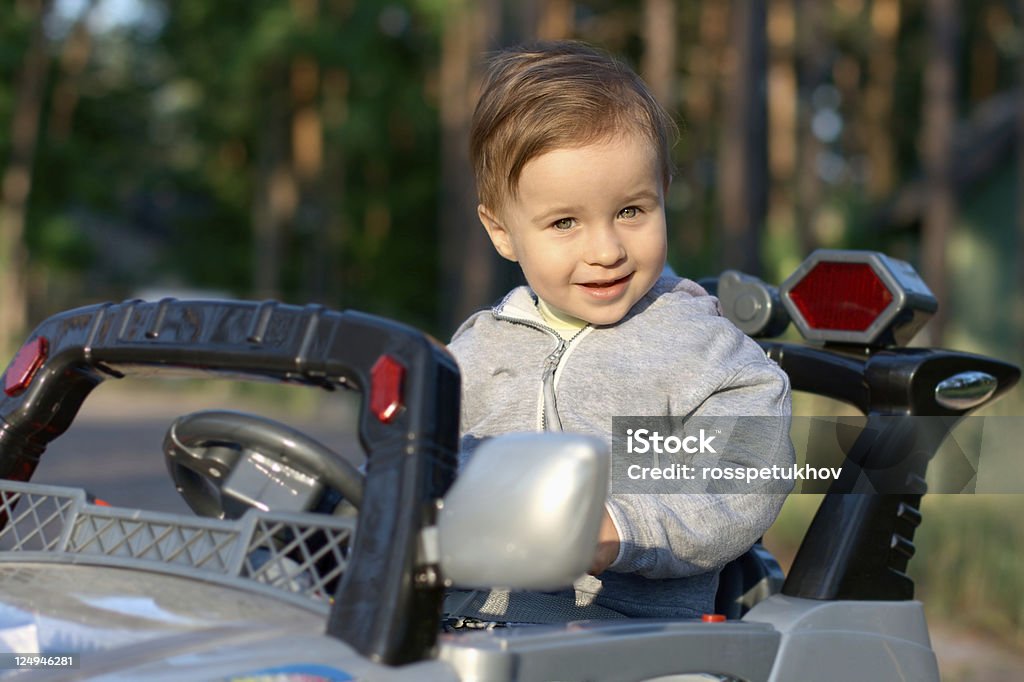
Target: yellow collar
<point>566,325</point>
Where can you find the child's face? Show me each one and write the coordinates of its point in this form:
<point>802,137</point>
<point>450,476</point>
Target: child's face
<point>587,227</point>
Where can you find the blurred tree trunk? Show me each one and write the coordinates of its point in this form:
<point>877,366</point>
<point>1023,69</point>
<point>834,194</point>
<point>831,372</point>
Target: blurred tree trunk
<point>556,20</point>
<point>17,178</point>
<point>1019,261</point>
<point>468,262</point>
<point>983,81</point>
<point>783,96</point>
<point>939,120</point>
<point>75,54</point>
<point>275,189</point>
<point>74,58</point>
<point>335,111</point>
<point>289,190</point>
<point>307,143</point>
<point>307,156</point>
<point>704,61</point>
<point>744,144</point>
<point>659,61</point>
<point>878,98</point>
<point>813,73</point>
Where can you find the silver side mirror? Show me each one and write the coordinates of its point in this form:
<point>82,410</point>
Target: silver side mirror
<point>525,512</point>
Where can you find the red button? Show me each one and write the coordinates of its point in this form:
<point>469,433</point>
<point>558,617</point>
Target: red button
<point>25,365</point>
<point>386,378</point>
<point>713,618</point>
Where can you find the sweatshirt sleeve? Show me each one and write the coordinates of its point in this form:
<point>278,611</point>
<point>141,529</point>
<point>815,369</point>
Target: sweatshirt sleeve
<point>679,534</point>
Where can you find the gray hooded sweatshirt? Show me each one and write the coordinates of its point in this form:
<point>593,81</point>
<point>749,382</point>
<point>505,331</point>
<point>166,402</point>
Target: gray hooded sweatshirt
<point>673,354</point>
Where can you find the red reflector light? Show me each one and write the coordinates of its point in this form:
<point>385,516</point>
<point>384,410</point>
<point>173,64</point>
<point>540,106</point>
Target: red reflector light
<point>841,296</point>
<point>386,388</point>
<point>24,366</point>
<point>857,297</point>
<point>712,618</point>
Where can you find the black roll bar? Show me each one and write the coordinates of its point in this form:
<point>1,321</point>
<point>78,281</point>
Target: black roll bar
<point>411,458</point>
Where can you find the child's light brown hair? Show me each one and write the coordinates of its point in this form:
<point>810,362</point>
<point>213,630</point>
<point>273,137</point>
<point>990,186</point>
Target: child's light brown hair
<point>555,96</point>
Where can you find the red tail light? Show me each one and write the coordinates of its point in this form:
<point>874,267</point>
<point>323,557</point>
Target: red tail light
<point>841,296</point>
<point>25,364</point>
<point>861,297</point>
<point>386,377</point>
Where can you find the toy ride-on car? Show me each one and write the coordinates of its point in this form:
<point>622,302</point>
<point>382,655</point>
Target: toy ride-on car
<point>300,565</point>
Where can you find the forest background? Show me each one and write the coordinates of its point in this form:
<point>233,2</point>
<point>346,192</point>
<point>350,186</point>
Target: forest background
<point>315,151</point>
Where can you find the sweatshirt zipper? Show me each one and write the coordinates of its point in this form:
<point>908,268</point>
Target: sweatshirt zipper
<point>549,419</point>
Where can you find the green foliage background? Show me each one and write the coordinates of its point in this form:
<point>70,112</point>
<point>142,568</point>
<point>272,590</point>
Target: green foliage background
<point>155,184</point>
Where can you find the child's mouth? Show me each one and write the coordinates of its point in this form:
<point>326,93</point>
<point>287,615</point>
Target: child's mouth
<point>608,289</point>
<point>607,284</point>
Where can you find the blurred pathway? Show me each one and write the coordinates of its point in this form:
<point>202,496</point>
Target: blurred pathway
<point>967,656</point>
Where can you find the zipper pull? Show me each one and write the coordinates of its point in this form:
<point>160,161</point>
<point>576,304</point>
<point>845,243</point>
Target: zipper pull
<point>551,362</point>
<point>550,421</point>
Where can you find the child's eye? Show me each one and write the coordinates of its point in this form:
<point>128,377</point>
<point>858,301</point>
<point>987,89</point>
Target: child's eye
<point>629,212</point>
<point>564,223</point>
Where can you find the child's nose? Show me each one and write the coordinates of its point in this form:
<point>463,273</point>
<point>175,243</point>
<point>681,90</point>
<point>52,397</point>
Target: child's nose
<point>604,246</point>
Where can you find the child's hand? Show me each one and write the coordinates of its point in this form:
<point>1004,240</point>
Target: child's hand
<point>607,545</point>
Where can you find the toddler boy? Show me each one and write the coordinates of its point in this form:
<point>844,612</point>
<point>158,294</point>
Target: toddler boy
<point>571,154</point>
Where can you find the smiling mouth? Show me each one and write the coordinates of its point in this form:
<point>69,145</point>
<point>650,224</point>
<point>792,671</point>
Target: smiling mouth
<point>607,283</point>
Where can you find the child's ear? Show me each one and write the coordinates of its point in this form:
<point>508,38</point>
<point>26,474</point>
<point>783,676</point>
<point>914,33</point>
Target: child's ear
<point>498,233</point>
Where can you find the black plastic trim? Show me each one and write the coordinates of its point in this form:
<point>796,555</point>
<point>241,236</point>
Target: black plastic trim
<point>411,460</point>
<point>861,539</point>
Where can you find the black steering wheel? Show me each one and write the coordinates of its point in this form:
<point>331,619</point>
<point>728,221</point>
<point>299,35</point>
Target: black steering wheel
<point>223,462</point>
